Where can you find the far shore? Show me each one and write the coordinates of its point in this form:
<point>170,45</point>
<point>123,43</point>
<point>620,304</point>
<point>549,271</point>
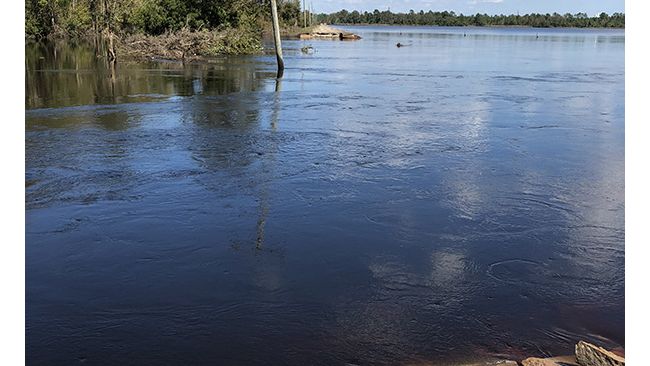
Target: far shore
<point>463,26</point>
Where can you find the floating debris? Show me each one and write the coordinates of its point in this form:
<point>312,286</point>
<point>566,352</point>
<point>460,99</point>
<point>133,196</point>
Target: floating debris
<point>324,31</point>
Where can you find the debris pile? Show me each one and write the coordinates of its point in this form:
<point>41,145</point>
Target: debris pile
<point>324,31</point>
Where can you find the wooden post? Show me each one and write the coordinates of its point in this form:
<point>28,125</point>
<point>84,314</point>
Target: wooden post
<point>276,38</point>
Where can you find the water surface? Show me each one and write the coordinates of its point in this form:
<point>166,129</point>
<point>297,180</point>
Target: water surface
<point>458,199</point>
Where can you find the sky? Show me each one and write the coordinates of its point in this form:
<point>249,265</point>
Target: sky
<point>591,7</point>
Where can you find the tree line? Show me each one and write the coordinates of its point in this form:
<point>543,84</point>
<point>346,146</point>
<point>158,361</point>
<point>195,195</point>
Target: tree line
<point>75,18</point>
<point>449,18</point>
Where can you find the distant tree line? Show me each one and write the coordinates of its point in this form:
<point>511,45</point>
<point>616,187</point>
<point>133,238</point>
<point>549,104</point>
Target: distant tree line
<point>449,18</point>
<point>73,18</point>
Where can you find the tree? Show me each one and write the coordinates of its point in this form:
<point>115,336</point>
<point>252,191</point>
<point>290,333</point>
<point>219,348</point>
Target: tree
<point>289,12</point>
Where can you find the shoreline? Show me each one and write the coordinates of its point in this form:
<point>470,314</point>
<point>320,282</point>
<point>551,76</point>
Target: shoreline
<point>467,26</point>
<point>202,46</point>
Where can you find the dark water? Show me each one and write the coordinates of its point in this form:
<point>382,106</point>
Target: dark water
<point>461,198</point>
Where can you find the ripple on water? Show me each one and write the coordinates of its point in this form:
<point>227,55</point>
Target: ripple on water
<point>517,271</point>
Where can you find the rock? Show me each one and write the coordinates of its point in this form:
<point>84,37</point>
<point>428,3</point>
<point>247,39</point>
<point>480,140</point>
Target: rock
<point>553,361</point>
<point>589,355</point>
<point>534,361</point>
<point>618,351</point>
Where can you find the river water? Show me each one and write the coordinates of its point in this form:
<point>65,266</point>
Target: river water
<point>457,199</point>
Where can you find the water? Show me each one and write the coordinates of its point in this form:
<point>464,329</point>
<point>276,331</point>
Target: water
<point>458,199</point>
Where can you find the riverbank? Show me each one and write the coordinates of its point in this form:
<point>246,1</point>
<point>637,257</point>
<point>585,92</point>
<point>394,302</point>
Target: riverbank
<point>185,45</point>
<point>193,46</point>
<point>196,45</point>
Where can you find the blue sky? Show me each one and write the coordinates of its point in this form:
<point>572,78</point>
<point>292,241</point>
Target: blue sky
<point>591,7</point>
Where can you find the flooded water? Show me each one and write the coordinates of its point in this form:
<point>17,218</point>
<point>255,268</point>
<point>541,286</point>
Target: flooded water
<point>458,199</point>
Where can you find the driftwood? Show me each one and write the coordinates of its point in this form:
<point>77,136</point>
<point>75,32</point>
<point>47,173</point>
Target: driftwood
<point>182,45</point>
<point>589,355</point>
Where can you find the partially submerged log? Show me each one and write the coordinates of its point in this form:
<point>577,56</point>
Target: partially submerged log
<point>349,36</point>
<point>589,355</point>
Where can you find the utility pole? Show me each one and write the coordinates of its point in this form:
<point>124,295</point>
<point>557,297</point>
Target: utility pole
<point>304,14</point>
<point>276,38</point>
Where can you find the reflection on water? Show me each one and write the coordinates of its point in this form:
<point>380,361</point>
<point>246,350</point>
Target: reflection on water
<point>63,74</point>
<point>459,199</point>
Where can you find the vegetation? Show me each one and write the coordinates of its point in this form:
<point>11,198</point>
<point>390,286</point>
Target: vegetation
<point>45,18</point>
<point>228,26</point>
<point>447,18</point>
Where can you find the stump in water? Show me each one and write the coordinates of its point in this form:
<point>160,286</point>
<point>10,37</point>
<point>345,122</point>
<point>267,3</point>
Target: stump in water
<point>112,56</point>
<point>109,43</point>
